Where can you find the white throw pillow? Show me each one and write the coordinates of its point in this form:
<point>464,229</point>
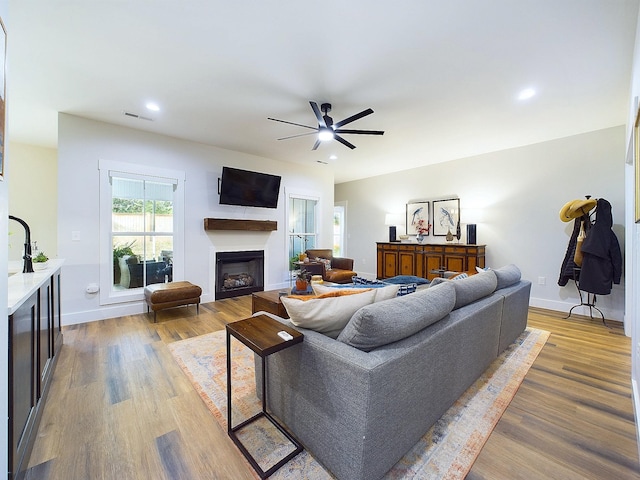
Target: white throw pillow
<point>328,312</point>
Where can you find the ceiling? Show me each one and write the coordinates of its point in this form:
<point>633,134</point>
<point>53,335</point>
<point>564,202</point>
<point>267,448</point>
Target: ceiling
<point>442,77</point>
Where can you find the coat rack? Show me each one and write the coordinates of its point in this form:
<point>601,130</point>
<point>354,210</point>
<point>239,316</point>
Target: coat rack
<point>591,298</point>
<point>573,210</point>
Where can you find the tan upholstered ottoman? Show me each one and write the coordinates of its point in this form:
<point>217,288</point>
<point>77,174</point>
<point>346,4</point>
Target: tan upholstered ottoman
<point>174,294</point>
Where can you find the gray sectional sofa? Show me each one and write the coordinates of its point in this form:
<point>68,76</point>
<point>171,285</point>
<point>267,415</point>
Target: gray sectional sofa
<point>358,403</point>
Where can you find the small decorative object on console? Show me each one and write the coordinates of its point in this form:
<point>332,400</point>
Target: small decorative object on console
<point>422,227</point>
<point>449,236</point>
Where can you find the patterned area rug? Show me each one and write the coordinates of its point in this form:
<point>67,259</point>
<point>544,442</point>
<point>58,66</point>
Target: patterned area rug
<point>446,451</point>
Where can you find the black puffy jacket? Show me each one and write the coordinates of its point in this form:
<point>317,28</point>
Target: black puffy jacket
<point>601,254</point>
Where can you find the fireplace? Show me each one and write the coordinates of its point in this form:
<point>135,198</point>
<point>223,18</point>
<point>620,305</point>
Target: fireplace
<point>239,273</point>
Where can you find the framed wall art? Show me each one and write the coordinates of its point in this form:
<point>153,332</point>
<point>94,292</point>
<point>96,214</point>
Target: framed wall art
<point>446,214</point>
<point>417,215</point>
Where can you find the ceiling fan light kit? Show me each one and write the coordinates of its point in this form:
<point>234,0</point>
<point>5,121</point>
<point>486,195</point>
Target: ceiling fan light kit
<point>327,129</point>
<point>325,134</point>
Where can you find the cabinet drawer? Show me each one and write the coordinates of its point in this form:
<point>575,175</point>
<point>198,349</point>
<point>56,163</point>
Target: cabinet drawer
<point>431,249</point>
<point>463,250</point>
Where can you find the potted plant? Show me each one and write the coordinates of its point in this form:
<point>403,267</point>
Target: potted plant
<point>40,261</point>
<point>302,280</point>
<point>120,251</point>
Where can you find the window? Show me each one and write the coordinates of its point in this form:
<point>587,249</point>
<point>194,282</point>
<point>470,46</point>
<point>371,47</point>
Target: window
<point>141,211</point>
<point>141,231</point>
<point>303,229</point>
<point>339,221</point>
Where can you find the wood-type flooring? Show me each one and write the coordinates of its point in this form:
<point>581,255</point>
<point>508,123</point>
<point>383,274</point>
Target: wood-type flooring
<point>121,408</point>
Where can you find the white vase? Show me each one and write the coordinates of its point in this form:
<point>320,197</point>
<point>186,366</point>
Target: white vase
<point>40,265</point>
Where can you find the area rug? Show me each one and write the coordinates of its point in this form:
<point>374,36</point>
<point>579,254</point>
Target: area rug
<point>446,451</point>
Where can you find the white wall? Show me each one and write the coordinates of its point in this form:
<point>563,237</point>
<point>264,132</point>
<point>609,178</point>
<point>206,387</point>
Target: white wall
<point>33,196</point>
<point>82,143</point>
<point>633,236</point>
<point>4,232</point>
<point>518,194</point>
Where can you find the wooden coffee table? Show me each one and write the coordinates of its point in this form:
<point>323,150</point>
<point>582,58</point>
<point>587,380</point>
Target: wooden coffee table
<point>269,301</point>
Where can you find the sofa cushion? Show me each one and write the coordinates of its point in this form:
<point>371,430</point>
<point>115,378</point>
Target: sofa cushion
<point>507,275</point>
<point>474,287</point>
<point>326,261</point>
<point>391,320</point>
<point>439,280</point>
<point>337,275</point>
<point>327,313</point>
<point>407,289</point>
<point>383,292</point>
<point>460,276</point>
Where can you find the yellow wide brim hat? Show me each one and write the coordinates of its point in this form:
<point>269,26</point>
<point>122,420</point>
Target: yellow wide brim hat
<point>576,208</point>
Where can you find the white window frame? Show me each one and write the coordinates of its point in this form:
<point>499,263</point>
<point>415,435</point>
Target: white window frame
<point>343,228</point>
<point>107,294</point>
<point>318,216</point>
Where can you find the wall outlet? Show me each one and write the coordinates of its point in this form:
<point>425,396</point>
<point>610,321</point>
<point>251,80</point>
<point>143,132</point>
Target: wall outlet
<point>542,280</point>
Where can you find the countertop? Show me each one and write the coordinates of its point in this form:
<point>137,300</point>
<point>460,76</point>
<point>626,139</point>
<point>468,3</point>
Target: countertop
<point>22,285</point>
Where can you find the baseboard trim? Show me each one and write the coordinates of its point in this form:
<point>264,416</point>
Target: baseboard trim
<point>113,311</point>
<point>636,409</point>
<point>582,311</point>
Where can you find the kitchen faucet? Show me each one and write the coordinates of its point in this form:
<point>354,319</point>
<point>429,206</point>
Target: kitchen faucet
<point>28,265</point>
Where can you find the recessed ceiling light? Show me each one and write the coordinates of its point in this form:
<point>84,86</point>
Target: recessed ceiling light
<point>333,157</point>
<point>526,94</point>
<point>153,107</point>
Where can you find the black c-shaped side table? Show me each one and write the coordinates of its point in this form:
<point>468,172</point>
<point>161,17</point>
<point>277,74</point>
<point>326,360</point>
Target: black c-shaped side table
<point>260,334</point>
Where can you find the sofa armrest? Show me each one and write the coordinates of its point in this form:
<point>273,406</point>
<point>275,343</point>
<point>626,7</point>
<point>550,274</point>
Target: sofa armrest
<point>342,263</point>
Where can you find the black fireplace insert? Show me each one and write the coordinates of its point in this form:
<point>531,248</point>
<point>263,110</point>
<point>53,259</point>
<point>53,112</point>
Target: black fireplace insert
<point>239,273</point>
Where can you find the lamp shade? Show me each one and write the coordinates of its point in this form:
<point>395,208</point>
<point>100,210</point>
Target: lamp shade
<point>393,219</point>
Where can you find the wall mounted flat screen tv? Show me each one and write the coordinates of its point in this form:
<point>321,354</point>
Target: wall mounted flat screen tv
<point>248,189</point>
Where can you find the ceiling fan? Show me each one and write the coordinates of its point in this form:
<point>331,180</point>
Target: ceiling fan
<point>327,130</point>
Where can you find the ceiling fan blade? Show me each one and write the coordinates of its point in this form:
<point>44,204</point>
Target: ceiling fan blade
<point>316,145</point>
<point>292,123</point>
<point>353,118</point>
<point>318,114</point>
<point>294,136</point>
<point>360,132</point>
<point>344,142</point>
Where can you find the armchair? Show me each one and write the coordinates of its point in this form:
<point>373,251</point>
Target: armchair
<point>131,272</point>
<point>340,268</point>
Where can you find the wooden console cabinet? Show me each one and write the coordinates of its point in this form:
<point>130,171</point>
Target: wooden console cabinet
<point>419,260</point>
